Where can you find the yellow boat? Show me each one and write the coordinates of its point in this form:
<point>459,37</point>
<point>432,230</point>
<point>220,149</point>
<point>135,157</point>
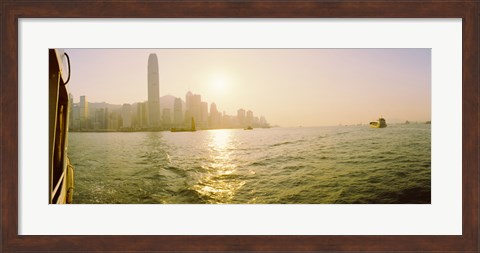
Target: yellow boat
<point>381,123</point>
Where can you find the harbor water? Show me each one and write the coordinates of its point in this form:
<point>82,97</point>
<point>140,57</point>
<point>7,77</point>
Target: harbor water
<point>320,165</point>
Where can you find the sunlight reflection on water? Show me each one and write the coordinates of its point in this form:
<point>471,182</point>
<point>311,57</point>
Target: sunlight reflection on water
<point>216,184</point>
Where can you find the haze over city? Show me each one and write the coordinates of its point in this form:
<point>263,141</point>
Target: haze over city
<point>290,87</point>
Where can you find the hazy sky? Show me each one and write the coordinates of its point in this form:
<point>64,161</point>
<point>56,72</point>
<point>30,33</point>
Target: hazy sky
<point>290,87</point>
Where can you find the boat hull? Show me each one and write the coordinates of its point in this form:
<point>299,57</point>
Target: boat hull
<point>377,125</point>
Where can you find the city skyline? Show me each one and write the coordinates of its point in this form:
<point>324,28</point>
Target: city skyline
<point>93,116</point>
<point>292,87</point>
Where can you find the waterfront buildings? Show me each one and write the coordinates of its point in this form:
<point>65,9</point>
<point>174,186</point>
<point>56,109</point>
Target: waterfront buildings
<point>146,115</point>
<point>142,115</point>
<point>100,119</point>
<point>70,110</point>
<point>177,112</point>
<point>194,109</point>
<point>83,112</point>
<point>127,116</point>
<point>249,119</point>
<point>166,118</point>
<point>215,120</point>
<point>86,116</point>
<point>204,114</point>
<point>241,118</point>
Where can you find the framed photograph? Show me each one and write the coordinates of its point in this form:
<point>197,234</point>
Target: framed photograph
<point>240,126</point>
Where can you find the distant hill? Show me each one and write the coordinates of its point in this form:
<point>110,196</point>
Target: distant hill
<point>103,105</point>
<point>166,101</point>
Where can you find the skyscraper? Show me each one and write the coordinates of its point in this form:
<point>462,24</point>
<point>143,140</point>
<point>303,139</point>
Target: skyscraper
<point>249,119</point>
<point>204,113</point>
<point>188,111</point>
<point>127,115</point>
<point>166,116</point>
<point>153,91</point>
<point>83,112</point>
<point>70,110</point>
<point>142,115</point>
<point>188,99</point>
<point>194,108</point>
<point>215,116</point>
<point>241,117</point>
<point>100,119</point>
<point>177,111</point>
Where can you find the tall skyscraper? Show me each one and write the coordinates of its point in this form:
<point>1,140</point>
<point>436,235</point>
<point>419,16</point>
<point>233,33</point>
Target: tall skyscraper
<point>153,91</point>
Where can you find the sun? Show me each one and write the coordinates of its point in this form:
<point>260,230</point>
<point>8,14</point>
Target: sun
<point>220,84</point>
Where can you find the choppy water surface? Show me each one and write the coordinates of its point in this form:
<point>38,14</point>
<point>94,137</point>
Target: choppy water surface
<point>354,164</point>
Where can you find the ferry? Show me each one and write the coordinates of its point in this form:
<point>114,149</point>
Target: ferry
<point>381,123</point>
<point>61,175</point>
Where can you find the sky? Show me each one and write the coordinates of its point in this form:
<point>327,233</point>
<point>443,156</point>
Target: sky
<point>290,87</point>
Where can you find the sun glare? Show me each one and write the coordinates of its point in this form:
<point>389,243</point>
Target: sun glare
<point>219,84</point>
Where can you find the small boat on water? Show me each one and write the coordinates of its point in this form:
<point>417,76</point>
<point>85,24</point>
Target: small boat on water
<point>192,129</point>
<point>248,128</point>
<point>381,123</point>
<point>60,170</point>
